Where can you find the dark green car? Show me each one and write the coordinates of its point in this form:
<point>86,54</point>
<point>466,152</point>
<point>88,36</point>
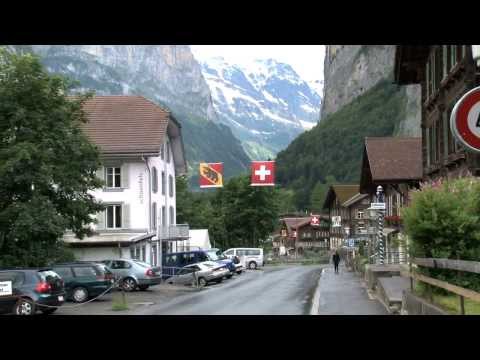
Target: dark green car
<point>84,280</point>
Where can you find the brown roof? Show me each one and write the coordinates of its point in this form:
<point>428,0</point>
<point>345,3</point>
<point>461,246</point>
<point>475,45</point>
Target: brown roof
<point>126,124</point>
<point>342,192</point>
<point>293,223</point>
<point>394,158</point>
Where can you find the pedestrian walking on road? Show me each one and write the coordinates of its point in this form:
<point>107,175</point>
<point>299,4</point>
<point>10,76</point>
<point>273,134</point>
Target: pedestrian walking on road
<point>336,261</point>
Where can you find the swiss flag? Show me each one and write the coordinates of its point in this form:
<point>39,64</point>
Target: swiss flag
<point>315,221</point>
<point>263,173</point>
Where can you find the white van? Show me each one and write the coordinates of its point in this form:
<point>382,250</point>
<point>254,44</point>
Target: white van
<point>250,258</point>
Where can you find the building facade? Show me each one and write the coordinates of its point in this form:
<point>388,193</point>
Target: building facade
<point>445,73</point>
<point>339,215</point>
<point>297,234</point>
<point>142,153</point>
<point>396,165</point>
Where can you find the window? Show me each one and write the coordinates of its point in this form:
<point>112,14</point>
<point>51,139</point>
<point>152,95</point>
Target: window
<point>154,255</point>
<point>229,252</point>
<point>170,185</point>
<point>143,253</point>
<point>120,264</point>
<point>114,216</point>
<point>202,257</point>
<point>172,215</point>
<point>113,177</point>
<point>162,152</point>
<point>137,253</point>
<point>163,183</point>
<point>154,215</point>
<point>64,272</point>
<point>132,253</point>
<point>154,180</point>
<point>359,214</point>
<point>84,271</point>
<point>164,215</point>
<point>168,152</point>
<point>17,278</point>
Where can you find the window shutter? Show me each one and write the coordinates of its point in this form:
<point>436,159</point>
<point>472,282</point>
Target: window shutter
<point>101,220</point>
<point>124,177</point>
<point>126,216</point>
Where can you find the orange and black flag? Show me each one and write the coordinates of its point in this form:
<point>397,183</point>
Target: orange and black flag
<point>211,175</point>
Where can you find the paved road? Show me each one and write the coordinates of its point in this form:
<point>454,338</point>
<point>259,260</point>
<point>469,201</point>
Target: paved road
<point>286,290</point>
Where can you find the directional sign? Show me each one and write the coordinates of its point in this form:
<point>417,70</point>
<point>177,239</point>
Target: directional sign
<point>465,120</point>
<point>5,288</point>
<point>377,206</point>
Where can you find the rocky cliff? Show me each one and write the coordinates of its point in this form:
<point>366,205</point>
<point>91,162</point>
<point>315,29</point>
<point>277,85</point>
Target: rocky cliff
<point>265,103</point>
<point>166,74</point>
<point>351,70</point>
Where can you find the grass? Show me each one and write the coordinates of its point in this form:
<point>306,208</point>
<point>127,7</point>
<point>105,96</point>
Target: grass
<point>119,302</point>
<point>450,303</point>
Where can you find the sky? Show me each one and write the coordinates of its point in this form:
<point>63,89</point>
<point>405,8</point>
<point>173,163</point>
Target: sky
<point>306,60</point>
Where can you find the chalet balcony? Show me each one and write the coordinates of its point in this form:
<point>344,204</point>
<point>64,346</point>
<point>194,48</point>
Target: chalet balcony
<point>174,232</point>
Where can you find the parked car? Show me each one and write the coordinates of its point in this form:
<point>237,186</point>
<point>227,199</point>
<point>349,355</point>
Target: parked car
<point>250,258</point>
<point>32,288</point>
<point>134,274</point>
<point>174,262</point>
<point>217,256</point>
<point>200,273</point>
<point>84,280</point>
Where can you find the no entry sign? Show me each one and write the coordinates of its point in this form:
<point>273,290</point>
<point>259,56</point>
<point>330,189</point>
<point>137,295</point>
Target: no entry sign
<point>465,120</point>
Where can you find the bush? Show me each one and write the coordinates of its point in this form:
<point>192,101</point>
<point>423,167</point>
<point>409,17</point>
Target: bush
<point>443,221</point>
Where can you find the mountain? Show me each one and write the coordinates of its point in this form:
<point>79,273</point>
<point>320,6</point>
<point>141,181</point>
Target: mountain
<point>359,100</point>
<point>265,103</point>
<point>166,74</point>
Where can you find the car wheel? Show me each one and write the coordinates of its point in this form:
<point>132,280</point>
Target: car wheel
<point>48,311</point>
<point>80,294</point>
<point>129,284</point>
<point>239,272</point>
<point>218,281</point>
<point>252,265</point>
<point>24,307</point>
<point>202,282</point>
<point>143,287</point>
<point>229,276</point>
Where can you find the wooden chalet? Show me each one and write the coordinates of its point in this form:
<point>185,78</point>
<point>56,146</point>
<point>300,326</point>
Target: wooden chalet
<point>445,73</point>
<point>396,165</point>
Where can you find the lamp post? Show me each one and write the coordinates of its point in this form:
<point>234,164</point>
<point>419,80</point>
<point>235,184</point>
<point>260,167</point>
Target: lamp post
<point>380,199</point>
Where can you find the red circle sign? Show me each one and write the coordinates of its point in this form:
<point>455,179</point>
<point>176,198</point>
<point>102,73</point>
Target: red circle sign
<point>465,120</point>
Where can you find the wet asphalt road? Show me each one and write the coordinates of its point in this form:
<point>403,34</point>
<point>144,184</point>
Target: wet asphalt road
<point>286,290</point>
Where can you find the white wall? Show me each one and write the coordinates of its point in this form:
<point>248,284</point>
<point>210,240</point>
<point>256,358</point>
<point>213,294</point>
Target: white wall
<point>136,195</point>
<point>100,253</point>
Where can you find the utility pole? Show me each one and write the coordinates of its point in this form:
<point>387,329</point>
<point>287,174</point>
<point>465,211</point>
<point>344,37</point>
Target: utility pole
<point>380,199</point>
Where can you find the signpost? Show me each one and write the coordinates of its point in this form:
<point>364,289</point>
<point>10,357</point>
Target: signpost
<point>465,120</point>
<point>377,206</point>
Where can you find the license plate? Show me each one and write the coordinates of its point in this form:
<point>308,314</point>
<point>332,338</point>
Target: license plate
<point>60,298</point>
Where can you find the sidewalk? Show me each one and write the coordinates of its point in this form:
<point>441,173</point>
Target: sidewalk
<point>343,294</point>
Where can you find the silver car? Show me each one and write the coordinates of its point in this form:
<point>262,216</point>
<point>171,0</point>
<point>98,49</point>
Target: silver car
<point>200,274</point>
<point>133,274</point>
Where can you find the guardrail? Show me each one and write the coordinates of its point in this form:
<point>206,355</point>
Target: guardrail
<point>449,264</point>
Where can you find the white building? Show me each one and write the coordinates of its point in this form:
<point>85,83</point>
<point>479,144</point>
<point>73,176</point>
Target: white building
<point>142,152</point>
<point>197,239</point>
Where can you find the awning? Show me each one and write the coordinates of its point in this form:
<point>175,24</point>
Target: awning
<point>114,239</point>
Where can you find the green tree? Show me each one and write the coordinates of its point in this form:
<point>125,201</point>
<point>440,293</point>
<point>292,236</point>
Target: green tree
<point>319,193</point>
<point>47,164</point>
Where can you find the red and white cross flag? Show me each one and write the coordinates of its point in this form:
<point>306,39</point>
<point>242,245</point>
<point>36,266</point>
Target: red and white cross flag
<point>263,173</point>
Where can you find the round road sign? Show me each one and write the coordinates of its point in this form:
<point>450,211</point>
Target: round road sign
<point>465,120</point>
